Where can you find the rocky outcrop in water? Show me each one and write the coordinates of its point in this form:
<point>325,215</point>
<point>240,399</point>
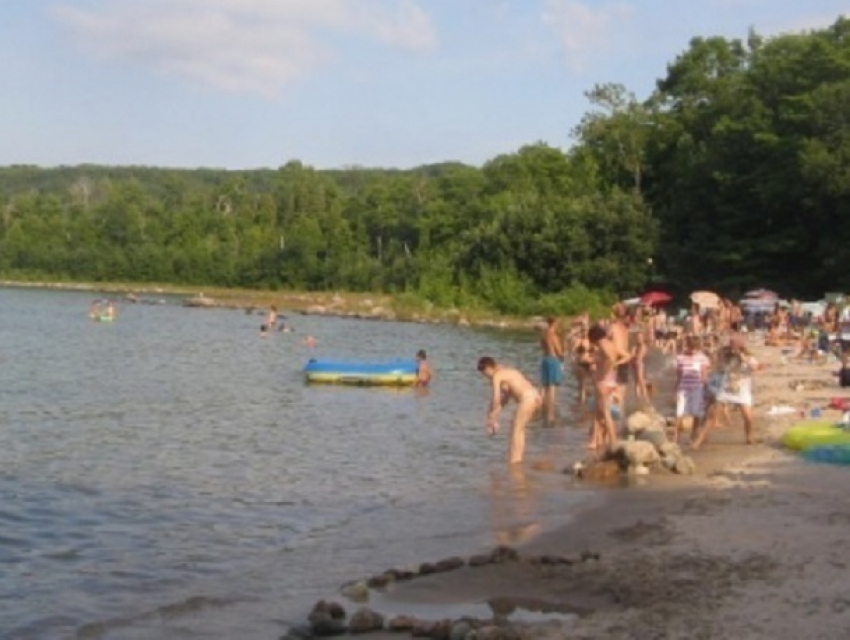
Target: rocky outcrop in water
<point>328,618</point>
<point>364,621</point>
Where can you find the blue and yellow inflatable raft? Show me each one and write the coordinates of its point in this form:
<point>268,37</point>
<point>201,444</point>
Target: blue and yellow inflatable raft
<point>398,373</point>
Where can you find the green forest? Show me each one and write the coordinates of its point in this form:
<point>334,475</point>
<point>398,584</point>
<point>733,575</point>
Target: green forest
<point>734,173</point>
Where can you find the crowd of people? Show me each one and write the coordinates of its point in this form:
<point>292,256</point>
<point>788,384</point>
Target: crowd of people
<point>713,363</point>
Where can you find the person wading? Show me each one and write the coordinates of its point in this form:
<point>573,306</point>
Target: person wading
<point>551,367</point>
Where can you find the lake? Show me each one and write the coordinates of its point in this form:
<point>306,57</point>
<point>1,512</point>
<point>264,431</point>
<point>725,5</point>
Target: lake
<point>171,475</point>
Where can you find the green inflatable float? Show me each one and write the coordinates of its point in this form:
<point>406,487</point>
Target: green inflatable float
<point>815,434</point>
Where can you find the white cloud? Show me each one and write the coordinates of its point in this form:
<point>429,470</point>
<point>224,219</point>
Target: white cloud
<point>582,30</point>
<point>241,45</point>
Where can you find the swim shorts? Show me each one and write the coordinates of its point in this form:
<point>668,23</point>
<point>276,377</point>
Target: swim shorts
<point>551,373</point>
<point>623,373</point>
<point>690,402</point>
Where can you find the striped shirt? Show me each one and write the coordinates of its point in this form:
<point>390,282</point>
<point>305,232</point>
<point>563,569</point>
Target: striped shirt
<point>690,369</point>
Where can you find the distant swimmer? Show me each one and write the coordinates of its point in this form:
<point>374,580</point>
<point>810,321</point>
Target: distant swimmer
<point>270,323</point>
<point>509,383</point>
<point>94,310</point>
<point>111,311</point>
<point>423,369</point>
<point>310,341</point>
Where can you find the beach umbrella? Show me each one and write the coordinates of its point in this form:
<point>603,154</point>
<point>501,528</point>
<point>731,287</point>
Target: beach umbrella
<point>761,294</point>
<point>655,298</point>
<point>706,299</point>
<point>815,308</point>
<point>755,305</point>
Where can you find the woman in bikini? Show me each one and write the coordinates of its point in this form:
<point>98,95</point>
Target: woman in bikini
<point>608,358</point>
<point>639,367</point>
<point>581,352</point>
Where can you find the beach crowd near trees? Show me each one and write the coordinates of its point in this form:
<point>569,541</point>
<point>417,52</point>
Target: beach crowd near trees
<point>734,173</point>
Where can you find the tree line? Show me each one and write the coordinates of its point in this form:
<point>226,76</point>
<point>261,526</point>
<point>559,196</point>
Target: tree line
<point>734,173</point>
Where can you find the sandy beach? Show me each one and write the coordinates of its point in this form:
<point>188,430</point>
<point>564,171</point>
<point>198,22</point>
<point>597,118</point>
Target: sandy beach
<point>751,546</point>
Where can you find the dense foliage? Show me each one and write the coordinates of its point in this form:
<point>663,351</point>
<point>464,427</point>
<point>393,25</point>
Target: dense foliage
<point>734,173</point>
<point>743,156</point>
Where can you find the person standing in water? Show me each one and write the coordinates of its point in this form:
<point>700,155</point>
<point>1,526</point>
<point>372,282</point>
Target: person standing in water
<point>507,383</point>
<point>639,367</point>
<point>551,368</point>
<point>618,331</point>
<point>423,369</point>
<point>111,311</point>
<point>94,310</point>
<point>608,357</point>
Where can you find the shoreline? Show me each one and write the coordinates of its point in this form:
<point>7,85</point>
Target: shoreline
<point>364,306</point>
<point>751,546</point>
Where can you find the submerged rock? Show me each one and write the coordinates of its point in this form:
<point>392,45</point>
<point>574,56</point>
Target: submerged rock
<point>449,564</point>
<point>495,633</point>
<point>327,619</point>
<point>300,632</point>
<point>460,630</point>
<point>365,620</point>
<point>435,630</point>
<point>479,560</point>
<point>356,591</point>
<point>401,624</point>
<point>503,553</point>
<point>379,582</point>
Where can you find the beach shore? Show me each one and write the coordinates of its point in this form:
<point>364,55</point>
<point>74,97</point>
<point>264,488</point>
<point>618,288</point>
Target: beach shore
<point>368,306</point>
<point>751,546</point>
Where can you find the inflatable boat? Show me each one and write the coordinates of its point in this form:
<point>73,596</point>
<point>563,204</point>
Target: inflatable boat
<point>389,373</point>
<point>814,434</point>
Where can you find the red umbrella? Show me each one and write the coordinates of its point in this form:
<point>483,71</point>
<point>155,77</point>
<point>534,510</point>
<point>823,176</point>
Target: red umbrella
<point>655,298</point>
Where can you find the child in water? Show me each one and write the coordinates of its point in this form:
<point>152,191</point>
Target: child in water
<point>423,370</point>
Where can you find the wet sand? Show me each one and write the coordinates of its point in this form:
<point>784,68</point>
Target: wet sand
<point>752,546</point>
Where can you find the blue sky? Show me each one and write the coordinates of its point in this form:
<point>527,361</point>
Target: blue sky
<point>254,83</point>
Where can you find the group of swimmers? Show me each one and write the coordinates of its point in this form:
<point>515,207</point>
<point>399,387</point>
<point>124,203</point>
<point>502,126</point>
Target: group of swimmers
<point>276,322</point>
<point>100,310</point>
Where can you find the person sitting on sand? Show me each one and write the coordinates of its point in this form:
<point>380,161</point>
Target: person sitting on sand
<point>506,384</point>
<point>423,369</point>
<point>738,366</point>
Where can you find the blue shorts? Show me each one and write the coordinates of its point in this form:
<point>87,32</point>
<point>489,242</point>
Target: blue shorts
<point>551,373</point>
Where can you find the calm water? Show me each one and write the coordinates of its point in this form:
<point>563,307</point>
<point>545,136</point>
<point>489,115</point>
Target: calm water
<point>171,476</point>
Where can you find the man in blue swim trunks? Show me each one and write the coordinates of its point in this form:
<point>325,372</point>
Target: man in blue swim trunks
<point>551,368</point>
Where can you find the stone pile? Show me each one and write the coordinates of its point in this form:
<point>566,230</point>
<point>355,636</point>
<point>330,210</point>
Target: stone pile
<point>643,446</point>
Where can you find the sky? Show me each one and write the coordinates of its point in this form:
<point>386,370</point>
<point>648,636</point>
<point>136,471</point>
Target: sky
<point>243,84</point>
